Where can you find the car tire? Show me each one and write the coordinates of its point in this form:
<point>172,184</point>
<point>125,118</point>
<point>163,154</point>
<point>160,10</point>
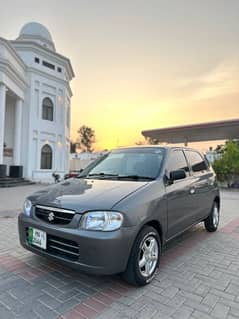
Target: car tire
<point>143,263</point>
<point>212,221</point>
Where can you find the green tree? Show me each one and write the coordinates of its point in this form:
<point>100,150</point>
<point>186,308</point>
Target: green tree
<point>86,138</point>
<point>227,167</point>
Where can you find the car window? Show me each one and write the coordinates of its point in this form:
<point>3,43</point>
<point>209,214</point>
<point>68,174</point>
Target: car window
<point>196,161</point>
<point>126,163</point>
<point>177,161</point>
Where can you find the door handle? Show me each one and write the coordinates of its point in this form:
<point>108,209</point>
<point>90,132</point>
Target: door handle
<point>192,191</point>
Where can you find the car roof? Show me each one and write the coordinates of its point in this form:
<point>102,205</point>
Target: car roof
<point>166,147</point>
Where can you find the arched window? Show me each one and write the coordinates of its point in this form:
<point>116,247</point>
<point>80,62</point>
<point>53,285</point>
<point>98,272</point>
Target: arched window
<point>46,157</point>
<point>47,109</point>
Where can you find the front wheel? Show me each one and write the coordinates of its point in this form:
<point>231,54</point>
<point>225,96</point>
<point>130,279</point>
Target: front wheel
<point>144,260</point>
<point>212,221</point>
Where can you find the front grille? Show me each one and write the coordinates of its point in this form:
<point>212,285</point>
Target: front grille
<point>58,246</point>
<point>54,215</point>
<point>62,247</point>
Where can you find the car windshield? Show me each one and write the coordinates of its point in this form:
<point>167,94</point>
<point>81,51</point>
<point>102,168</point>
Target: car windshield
<point>128,164</point>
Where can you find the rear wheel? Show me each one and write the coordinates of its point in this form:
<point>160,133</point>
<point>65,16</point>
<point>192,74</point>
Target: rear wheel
<point>212,221</point>
<point>144,260</point>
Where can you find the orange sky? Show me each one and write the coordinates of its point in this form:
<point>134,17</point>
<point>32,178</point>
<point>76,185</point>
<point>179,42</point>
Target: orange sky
<point>119,117</point>
<point>141,64</point>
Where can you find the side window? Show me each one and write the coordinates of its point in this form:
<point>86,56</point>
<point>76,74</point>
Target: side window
<point>177,161</point>
<point>196,161</point>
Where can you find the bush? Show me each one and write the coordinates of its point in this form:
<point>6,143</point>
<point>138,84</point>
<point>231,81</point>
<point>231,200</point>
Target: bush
<point>227,167</point>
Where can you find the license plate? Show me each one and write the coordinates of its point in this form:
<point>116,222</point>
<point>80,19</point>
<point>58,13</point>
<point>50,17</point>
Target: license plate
<point>37,237</point>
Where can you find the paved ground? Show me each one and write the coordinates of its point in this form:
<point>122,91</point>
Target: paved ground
<point>11,199</point>
<point>199,278</point>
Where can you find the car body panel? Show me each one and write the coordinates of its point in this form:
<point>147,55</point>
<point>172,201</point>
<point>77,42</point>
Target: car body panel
<point>99,252</point>
<point>83,195</point>
<point>179,206</point>
<point>145,205</point>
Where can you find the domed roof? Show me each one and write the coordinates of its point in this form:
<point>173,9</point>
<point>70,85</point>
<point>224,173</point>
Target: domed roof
<point>36,31</point>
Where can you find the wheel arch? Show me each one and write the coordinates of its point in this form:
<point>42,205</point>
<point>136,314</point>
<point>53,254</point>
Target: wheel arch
<point>156,225</point>
<point>217,200</point>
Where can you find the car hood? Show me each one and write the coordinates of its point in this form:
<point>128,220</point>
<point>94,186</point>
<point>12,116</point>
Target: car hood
<point>86,194</point>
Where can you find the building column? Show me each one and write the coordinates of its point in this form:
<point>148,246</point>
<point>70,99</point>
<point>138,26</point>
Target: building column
<point>18,132</point>
<point>2,118</point>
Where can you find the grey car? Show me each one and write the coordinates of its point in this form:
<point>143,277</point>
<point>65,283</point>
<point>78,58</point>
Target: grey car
<point>118,213</point>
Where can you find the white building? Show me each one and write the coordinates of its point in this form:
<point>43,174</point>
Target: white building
<point>34,105</point>
<point>212,156</point>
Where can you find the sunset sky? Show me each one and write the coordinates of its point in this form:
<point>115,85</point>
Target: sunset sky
<point>141,64</point>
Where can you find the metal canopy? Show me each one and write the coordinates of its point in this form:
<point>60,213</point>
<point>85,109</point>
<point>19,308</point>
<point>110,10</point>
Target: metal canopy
<point>220,130</point>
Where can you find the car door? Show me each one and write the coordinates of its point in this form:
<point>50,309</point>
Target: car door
<point>202,175</point>
<point>179,198</point>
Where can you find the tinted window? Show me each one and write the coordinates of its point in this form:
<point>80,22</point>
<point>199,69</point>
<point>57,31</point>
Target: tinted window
<point>177,161</point>
<point>196,161</point>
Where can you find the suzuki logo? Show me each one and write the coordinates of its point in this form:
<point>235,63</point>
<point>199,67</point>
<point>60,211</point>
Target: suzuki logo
<point>51,216</point>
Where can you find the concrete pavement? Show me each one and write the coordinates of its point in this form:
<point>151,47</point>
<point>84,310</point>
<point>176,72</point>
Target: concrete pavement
<point>198,279</point>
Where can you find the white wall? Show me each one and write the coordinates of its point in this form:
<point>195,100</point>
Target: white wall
<point>40,132</point>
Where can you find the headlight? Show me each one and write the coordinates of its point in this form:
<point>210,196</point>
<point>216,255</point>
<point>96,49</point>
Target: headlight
<point>101,220</point>
<point>27,207</point>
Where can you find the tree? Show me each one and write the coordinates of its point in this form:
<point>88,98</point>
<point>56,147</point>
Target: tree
<point>140,143</point>
<point>227,167</point>
<point>148,140</point>
<point>152,141</point>
<point>86,138</point>
<point>219,149</point>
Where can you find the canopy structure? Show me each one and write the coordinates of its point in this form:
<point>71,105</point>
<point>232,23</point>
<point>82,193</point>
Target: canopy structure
<point>210,131</point>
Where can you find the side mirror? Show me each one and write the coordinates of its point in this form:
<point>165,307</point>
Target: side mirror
<point>178,174</point>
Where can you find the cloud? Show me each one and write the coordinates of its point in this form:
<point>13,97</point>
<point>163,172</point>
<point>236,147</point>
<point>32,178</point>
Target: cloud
<point>220,81</point>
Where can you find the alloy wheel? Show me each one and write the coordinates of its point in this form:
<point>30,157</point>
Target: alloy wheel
<point>148,256</point>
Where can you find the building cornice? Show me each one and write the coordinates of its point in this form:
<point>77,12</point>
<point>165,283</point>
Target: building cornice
<point>37,48</point>
<point>12,50</point>
<point>7,68</point>
<point>31,38</point>
<point>51,77</point>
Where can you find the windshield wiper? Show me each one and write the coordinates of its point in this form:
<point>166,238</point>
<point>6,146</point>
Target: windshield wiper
<point>81,176</point>
<point>136,177</point>
<point>116,176</point>
<point>102,175</point>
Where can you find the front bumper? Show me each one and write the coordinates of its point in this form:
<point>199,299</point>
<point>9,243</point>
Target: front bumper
<point>99,252</point>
